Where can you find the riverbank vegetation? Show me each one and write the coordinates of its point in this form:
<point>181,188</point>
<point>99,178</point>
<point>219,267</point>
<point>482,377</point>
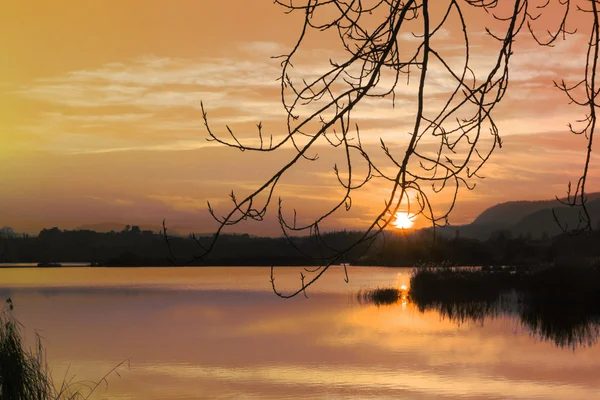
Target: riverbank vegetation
<point>25,373</point>
<point>379,296</point>
<point>559,302</point>
<point>575,282</point>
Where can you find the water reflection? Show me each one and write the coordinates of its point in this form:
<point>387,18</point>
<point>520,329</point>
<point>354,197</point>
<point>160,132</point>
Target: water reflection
<point>567,321</point>
<point>221,333</point>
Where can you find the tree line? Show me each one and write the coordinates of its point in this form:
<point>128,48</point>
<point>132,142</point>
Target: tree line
<point>135,247</point>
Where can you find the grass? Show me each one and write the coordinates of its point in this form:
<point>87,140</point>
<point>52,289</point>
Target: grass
<point>557,283</point>
<point>456,285</point>
<point>379,296</point>
<point>25,374</point>
<point>560,303</point>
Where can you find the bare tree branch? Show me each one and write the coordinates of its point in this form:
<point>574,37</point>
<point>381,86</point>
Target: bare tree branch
<point>376,62</point>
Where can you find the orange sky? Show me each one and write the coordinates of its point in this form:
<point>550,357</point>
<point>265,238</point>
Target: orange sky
<point>100,119</point>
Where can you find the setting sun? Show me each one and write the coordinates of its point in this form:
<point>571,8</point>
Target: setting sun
<point>404,220</point>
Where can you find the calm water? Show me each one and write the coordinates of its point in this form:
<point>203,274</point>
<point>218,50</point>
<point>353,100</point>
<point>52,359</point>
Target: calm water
<point>212,333</point>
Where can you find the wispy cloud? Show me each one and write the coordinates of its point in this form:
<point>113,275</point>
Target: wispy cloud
<point>182,145</point>
<point>180,203</point>
<point>115,201</point>
<point>117,102</point>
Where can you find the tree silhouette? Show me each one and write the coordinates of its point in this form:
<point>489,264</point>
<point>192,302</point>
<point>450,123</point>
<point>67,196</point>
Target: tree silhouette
<point>448,141</point>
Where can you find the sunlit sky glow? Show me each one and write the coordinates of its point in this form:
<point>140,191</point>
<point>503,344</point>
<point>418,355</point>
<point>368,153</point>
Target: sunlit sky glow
<point>403,220</point>
<point>100,118</point>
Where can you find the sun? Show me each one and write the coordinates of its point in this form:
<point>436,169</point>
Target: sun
<point>403,220</point>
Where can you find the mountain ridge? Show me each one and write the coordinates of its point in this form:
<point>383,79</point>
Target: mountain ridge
<point>526,218</point>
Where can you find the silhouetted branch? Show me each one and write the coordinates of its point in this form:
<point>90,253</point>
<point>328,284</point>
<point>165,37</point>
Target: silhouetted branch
<point>375,64</point>
<point>172,259</point>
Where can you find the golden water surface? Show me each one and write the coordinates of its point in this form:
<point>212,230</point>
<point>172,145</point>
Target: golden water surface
<point>211,333</point>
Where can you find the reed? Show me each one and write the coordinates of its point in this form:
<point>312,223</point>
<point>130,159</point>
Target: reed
<point>559,302</point>
<point>25,374</point>
<point>379,296</point>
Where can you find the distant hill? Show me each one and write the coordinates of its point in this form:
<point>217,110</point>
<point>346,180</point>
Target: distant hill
<point>115,226</point>
<point>507,214</point>
<point>527,218</point>
<point>542,222</point>
<point>504,215</point>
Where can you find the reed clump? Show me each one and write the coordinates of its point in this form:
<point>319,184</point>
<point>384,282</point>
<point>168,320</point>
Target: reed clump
<point>573,282</point>
<point>559,302</point>
<point>379,296</point>
<point>462,284</point>
<point>25,374</point>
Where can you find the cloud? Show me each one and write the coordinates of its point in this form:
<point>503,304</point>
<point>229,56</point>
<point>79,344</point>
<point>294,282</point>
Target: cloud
<point>151,104</point>
<point>182,145</point>
<point>95,119</point>
<point>133,105</point>
<point>116,201</point>
<point>181,203</point>
<point>264,48</point>
<point>151,71</point>
<point>118,103</point>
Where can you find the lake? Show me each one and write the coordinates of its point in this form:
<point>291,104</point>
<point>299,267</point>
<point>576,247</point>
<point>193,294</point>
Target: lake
<point>221,333</point>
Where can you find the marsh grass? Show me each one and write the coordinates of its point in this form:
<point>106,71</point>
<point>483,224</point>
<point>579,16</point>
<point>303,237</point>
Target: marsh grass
<point>564,283</point>
<point>461,284</point>
<point>379,296</point>
<point>560,302</point>
<point>25,374</point>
